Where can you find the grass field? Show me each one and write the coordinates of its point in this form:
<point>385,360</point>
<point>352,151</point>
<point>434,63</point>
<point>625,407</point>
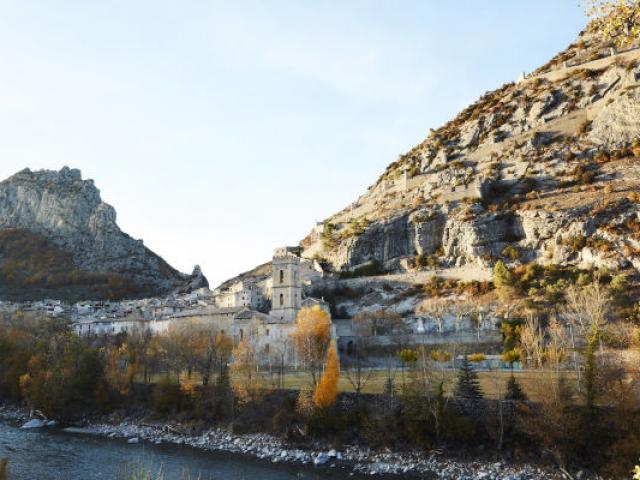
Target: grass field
<point>492,383</point>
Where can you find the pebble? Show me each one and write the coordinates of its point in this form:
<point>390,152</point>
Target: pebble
<point>358,460</point>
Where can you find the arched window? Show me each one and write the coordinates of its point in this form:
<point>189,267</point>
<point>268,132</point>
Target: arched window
<point>281,299</point>
<point>281,276</point>
<point>241,334</point>
<point>266,332</point>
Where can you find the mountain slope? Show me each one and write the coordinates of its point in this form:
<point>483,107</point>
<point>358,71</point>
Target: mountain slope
<point>544,170</point>
<point>58,238</point>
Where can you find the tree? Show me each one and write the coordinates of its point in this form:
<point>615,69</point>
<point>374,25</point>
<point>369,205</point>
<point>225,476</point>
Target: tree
<point>435,308</point>
<point>514,390</point>
<point>327,388</point>
<point>244,370</point>
<point>311,340</point>
<point>379,322</point>
<point>409,357</point>
<point>355,362</point>
<point>502,276</point>
<point>480,309</point>
<point>461,310</point>
<point>468,385</point>
<point>587,308</point>
<point>532,342</point>
<point>615,20</point>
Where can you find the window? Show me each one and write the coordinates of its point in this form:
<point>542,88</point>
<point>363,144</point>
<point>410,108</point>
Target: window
<point>281,299</point>
<point>281,276</point>
<point>266,332</point>
<point>266,349</point>
<point>241,334</point>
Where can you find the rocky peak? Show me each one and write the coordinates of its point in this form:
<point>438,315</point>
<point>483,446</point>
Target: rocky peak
<point>69,212</point>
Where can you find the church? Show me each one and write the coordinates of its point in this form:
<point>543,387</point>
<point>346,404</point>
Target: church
<point>271,333</point>
<point>237,310</point>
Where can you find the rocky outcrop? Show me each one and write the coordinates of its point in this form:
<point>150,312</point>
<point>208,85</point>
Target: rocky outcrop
<point>515,176</point>
<point>69,212</point>
<point>619,123</point>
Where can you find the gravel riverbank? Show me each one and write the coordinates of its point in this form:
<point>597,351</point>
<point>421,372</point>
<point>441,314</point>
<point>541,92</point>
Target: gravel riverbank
<point>269,448</point>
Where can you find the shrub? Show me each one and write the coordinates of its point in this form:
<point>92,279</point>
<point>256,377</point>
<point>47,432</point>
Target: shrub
<point>502,276</point>
<point>512,252</point>
<point>477,357</point>
<point>576,243</point>
<point>166,395</point>
<point>584,127</point>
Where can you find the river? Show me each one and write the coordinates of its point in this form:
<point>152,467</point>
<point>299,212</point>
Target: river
<point>57,455</point>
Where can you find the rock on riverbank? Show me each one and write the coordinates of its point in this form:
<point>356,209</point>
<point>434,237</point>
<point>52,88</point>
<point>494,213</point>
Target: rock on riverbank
<point>269,448</point>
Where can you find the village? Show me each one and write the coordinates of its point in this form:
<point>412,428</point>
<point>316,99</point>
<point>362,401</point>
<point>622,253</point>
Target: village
<point>264,307</point>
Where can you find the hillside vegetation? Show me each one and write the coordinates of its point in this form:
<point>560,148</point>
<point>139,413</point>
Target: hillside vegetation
<point>31,268</point>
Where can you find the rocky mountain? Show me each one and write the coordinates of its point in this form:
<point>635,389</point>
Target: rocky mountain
<point>57,237</point>
<point>545,169</point>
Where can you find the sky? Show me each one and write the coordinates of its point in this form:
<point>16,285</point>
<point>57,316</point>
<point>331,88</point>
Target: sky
<point>220,130</point>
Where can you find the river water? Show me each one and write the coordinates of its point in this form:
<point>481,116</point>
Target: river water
<point>55,455</point>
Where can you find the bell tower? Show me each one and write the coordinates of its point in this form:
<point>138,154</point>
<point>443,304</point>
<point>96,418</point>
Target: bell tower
<point>286,291</point>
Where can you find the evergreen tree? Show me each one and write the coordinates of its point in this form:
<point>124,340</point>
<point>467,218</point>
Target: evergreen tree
<point>224,394</point>
<point>502,276</point>
<point>468,386</point>
<point>389,387</point>
<point>514,390</point>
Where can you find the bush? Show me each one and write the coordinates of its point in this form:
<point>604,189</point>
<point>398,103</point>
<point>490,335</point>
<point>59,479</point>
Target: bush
<point>166,396</point>
<point>511,252</point>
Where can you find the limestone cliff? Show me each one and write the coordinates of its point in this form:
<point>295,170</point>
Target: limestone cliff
<point>546,169</point>
<point>67,216</point>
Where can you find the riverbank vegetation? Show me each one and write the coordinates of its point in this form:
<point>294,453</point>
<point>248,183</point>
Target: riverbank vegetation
<point>575,405</point>
<point>4,465</point>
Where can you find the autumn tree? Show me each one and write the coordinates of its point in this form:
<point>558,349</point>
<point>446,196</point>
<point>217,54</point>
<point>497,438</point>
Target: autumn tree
<point>615,20</point>
<point>311,340</point>
<point>244,373</point>
<point>326,390</point>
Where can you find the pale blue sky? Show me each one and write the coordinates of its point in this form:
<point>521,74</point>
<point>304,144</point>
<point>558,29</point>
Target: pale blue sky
<point>221,130</point>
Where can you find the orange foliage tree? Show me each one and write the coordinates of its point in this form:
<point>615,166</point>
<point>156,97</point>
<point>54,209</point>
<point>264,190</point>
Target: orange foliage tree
<point>311,339</point>
<point>327,388</point>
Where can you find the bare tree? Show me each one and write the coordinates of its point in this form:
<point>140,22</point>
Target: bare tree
<point>461,310</point>
<point>480,310</point>
<point>587,309</point>
<point>435,308</point>
<point>355,362</point>
<point>379,322</point>
<point>532,342</point>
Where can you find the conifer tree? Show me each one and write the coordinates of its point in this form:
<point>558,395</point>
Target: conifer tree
<point>468,386</point>
<point>514,390</point>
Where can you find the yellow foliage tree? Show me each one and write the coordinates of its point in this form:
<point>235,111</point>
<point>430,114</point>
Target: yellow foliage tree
<point>311,339</point>
<point>327,388</point>
<point>188,384</point>
<point>615,20</point>
<point>245,380</point>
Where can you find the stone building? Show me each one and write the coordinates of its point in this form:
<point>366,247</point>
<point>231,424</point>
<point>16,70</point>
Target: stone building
<point>286,290</point>
<point>233,311</point>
